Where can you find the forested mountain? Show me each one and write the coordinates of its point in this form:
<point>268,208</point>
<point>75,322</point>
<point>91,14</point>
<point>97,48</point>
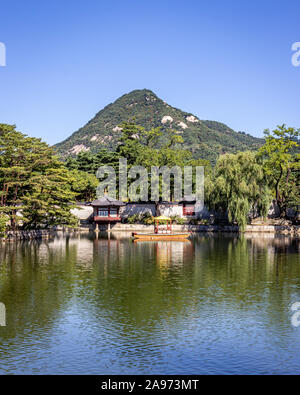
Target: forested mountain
<point>205,139</point>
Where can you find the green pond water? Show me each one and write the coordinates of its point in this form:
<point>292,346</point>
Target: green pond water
<point>93,304</point>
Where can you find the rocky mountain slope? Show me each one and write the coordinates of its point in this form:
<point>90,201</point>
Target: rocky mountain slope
<point>205,139</point>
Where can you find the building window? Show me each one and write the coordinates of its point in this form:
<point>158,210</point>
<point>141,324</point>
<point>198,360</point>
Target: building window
<point>103,212</point>
<point>189,210</point>
<point>113,212</point>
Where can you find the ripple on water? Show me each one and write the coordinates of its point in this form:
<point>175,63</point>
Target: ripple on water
<point>214,305</point>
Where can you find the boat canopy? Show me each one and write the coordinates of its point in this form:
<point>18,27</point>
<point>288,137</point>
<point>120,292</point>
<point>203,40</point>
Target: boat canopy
<point>163,218</point>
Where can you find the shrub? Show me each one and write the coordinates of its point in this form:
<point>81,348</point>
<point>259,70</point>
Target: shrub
<point>176,219</point>
<point>147,218</point>
<point>133,219</point>
<point>204,222</point>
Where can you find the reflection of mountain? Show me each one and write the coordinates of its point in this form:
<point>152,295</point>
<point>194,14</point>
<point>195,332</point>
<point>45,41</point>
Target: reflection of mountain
<point>117,298</point>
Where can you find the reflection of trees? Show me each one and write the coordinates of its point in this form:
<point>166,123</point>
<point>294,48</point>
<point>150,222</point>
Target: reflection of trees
<point>144,283</point>
<point>247,262</point>
<point>136,286</point>
<point>36,281</point>
<point>140,283</point>
<point>258,274</point>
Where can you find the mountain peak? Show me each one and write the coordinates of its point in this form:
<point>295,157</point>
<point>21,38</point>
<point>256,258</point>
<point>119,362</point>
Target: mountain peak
<point>142,92</point>
<point>139,95</point>
<point>204,139</point>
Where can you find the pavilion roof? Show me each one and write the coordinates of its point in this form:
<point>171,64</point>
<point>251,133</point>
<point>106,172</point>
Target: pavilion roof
<point>107,201</point>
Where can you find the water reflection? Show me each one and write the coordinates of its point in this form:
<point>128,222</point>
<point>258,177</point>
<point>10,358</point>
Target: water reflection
<point>104,304</point>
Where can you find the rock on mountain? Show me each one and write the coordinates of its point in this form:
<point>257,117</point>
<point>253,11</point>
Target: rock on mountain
<point>205,139</point>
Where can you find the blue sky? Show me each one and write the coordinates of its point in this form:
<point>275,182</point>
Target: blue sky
<point>228,61</point>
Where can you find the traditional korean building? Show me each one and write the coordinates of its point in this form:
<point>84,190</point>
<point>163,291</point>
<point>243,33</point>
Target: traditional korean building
<point>188,204</point>
<point>106,211</point>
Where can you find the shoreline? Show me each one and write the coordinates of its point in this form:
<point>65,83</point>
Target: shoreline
<point>280,229</point>
<point>25,235</point>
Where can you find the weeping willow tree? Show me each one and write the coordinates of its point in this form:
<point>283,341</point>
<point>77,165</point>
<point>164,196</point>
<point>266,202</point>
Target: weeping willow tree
<point>239,187</point>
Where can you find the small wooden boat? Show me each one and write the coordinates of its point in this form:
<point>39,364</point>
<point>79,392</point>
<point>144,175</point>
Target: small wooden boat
<point>161,234</point>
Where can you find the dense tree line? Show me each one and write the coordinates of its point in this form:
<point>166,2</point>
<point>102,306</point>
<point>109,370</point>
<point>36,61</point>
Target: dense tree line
<point>38,189</point>
<point>238,185</point>
<point>141,148</point>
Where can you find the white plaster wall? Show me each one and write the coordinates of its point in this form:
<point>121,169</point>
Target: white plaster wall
<point>170,210</point>
<point>83,212</point>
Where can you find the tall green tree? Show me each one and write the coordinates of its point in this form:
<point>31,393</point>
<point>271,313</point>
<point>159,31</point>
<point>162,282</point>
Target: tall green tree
<point>238,186</point>
<point>130,145</point>
<point>84,185</point>
<point>280,154</point>
<point>89,163</point>
<point>35,185</point>
<point>140,147</point>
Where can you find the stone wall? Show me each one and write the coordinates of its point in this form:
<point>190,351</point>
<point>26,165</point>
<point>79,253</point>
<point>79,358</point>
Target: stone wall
<point>28,234</point>
<point>250,229</point>
<point>284,229</point>
<point>39,234</point>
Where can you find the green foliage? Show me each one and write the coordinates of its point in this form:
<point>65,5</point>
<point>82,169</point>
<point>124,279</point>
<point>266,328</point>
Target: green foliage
<point>150,147</point>
<point>37,189</point>
<point>89,163</point>
<point>147,218</point>
<point>176,219</point>
<point>204,222</point>
<point>133,219</point>
<point>129,144</point>
<point>35,186</point>
<point>239,185</point>
<point>282,165</point>
<point>141,147</point>
<point>3,224</point>
<point>203,139</point>
<point>84,185</point>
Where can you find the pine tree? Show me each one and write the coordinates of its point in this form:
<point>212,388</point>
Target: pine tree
<point>35,185</point>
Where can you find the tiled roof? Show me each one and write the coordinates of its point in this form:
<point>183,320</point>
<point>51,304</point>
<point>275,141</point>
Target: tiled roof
<point>107,201</point>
